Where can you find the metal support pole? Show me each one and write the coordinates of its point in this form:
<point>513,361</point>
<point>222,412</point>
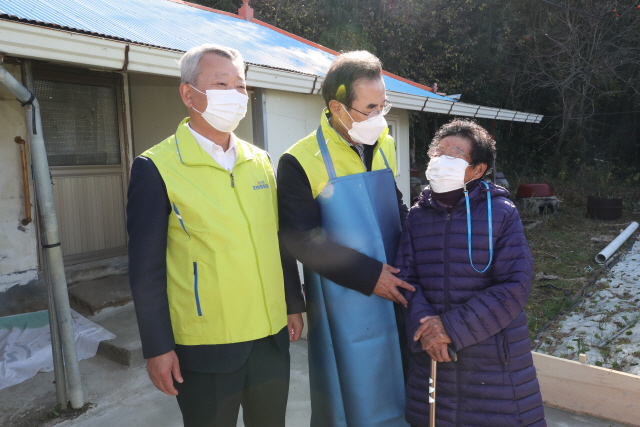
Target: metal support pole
<point>44,193</point>
<point>54,329</point>
<point>56,348</point>
<point>493,135</point>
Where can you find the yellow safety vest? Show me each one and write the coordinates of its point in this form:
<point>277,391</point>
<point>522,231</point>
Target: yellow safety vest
<point>224,275</point>
<point>345,160</point>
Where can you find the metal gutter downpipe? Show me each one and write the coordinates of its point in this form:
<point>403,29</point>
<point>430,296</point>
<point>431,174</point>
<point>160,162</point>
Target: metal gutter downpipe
<point>44,193</point>
<point>54,329</point>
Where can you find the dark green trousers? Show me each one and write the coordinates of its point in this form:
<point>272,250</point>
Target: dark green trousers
<point>261,386</point>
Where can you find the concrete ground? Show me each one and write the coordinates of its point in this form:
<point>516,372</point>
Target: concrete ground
<point>125,397</point>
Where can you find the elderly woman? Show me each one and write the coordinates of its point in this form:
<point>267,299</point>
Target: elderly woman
<point>464,250</point>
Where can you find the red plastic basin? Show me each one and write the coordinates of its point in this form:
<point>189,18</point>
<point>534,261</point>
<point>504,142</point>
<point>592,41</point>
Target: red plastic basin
<point>534,190</point>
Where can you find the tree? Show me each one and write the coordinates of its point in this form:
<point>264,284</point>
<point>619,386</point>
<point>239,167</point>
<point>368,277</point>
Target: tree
<point>587,55</point>
<point>576,62</point>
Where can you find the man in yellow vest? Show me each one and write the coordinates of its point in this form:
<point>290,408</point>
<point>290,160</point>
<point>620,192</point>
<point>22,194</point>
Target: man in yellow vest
<point>216,299</point>
<point>340,215</point>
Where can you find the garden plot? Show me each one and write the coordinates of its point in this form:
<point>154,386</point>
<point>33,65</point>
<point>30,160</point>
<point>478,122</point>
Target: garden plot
<point>606,325</point>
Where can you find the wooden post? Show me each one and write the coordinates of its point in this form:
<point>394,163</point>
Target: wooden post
<point>25,180</point>
<point>432,394</point>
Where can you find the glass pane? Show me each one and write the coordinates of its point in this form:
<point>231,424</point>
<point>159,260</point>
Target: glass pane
<point>80,123</point>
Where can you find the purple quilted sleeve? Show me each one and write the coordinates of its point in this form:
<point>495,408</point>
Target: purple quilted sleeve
<point>418,307</point>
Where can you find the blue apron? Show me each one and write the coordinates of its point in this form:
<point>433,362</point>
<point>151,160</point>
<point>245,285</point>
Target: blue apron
<point>355,367</point>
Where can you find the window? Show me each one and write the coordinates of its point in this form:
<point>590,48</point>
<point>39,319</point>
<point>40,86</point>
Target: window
<point>80,123</point>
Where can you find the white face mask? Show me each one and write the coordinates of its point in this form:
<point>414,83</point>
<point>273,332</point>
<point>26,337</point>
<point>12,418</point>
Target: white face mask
<point>446,173</point>
<point>225,108</point>
<point>368,131</point>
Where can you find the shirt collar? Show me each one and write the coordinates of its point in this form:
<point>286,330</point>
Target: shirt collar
<point>209,146</point>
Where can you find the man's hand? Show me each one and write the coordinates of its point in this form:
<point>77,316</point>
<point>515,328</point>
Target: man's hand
<point>295,324</point>
<point>433,338</point>
<point>388,283</point>
<point>160,369</point>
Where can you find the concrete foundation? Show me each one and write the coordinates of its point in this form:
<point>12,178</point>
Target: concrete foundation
<point>93,296</point>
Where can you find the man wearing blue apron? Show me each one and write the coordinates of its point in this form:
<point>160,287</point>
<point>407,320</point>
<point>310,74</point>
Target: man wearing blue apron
<point>340,215</point>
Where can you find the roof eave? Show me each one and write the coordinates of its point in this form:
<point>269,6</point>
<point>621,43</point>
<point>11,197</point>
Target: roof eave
<point>29,40</point>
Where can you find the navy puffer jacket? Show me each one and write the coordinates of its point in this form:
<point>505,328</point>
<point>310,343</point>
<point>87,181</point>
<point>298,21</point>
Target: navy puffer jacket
<point>494,382</point>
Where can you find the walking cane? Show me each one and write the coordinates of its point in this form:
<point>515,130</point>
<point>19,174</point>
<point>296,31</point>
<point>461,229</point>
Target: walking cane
<point>432,385</point>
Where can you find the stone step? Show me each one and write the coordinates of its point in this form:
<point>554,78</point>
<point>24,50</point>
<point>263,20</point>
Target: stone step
<point>125,348</point>
<point>93,296</point>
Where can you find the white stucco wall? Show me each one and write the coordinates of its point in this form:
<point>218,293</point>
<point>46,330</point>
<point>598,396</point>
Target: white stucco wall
<point>18,247</point>
<point>292,116</point>
<point>402,146</point>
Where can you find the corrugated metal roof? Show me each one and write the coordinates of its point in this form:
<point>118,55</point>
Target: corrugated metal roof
<point>170,25</point>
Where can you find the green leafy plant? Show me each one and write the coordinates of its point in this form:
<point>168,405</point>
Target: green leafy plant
<point>580,343</point>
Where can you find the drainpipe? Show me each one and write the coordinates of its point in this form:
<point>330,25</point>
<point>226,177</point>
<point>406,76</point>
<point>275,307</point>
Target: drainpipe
<point>54,329</point>
<point>44,193</point>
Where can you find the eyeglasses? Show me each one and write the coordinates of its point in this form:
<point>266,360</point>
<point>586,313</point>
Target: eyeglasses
<point>451,152</point>
<point>375,113</point>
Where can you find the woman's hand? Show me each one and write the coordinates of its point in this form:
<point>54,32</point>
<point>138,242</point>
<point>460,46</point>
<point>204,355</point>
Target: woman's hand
<point>433,338</point>
<point>438,352</point>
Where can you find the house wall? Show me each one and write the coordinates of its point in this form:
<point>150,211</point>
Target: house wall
<point>18,247</point>
<point>292,116</point>
<point>157,109</point>
<point>402,144</point>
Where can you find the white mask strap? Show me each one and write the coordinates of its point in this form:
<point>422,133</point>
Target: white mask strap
<point>465,184</point>
<point>345,110</point>
<point>196,89</point>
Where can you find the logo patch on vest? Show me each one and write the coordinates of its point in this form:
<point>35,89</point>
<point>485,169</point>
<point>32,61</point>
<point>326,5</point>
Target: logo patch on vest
<point>260,185</point>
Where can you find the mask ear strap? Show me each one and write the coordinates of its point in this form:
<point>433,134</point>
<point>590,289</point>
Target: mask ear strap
<point>345,126</point>
<point>345,110</point>
<point>465,186</point>
<point>197,90</point>
<point>194,88</point>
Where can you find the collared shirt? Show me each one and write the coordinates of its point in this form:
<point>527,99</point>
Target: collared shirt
<point>360,149</point>
<point>226,159</point>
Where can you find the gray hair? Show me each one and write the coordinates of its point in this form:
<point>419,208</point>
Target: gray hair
<point>190,61</point>
<point>345,71</point>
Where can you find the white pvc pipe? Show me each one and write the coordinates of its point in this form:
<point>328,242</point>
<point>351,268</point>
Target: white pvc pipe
<point>604,255</point>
